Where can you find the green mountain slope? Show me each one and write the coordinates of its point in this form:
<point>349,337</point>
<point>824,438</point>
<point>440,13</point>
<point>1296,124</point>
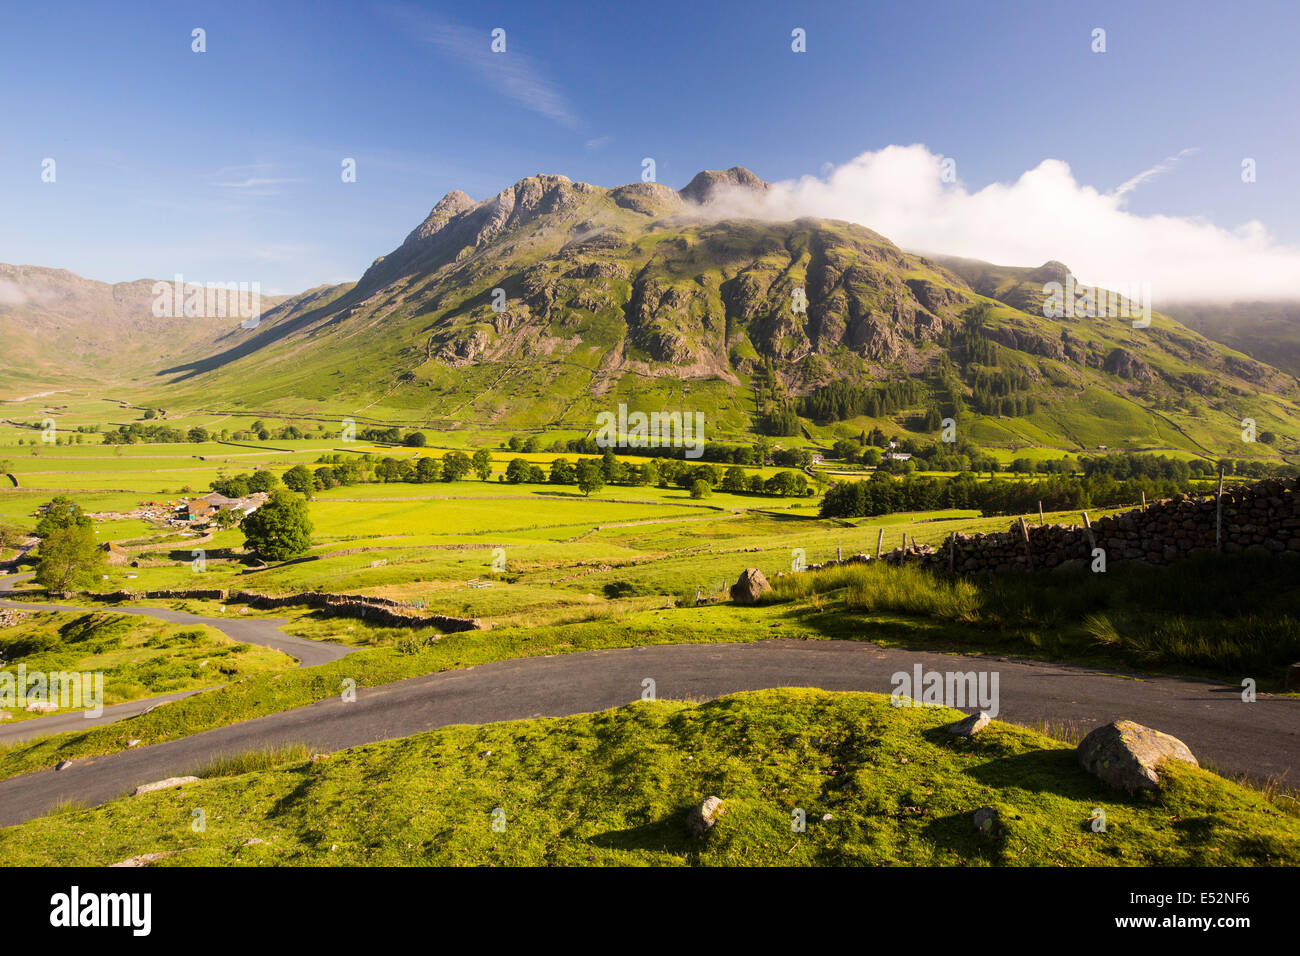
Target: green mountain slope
<point>556,300</point>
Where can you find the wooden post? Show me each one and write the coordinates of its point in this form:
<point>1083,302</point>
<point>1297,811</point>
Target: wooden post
<point>952,552</point>
<point>1218,513</point>
<point>1041,520</point>
<point>1144,501</point>
<point>880,542</point>
<point>904,542</point>
<point>1092,540</point>
<point>1024,531</point>
<point>838,556</point>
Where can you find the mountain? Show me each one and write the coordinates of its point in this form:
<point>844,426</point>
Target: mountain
<point>554,300</point>
<point>1268,331</point>
<point>58,327</point>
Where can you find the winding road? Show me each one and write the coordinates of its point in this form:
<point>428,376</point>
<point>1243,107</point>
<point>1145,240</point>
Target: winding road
<point>264,631</point>
<point>1260,738</point>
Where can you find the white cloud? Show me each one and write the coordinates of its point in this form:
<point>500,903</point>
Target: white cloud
<point>1149,174</point>
<point>255,176</point>
<point>1045,214</point>
<point>11,293</point>
<point>513,74</point>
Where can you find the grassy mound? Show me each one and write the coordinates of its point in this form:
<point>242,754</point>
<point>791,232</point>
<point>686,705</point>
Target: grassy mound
<point>138,656</point>
<point>878,785</point>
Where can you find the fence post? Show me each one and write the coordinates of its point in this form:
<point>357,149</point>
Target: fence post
<point>1041,521</point>
<point>838,556</point>
<point>1092,540</point>
<point>952,552</point>
<point>1218,513</point>
<point>880,542</point>
<point>1024,531</point>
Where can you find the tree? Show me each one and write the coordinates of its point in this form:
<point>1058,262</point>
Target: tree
<point>590,476</point>
<point>609,466</point>
<point>734,479</point>
<point>562,472</point>
<point>700,488</point>
<point>300,479</point>
<point>227,518</point>
<point>482,464</point>
<point>68,556</point>
<point>263,481</point>
<point>280,529</point>
<point>415,440</point>
<point>236,487</point>
<point>517,471</point>
<point>455,466</point>
<point>11,536</point>
<point>58,513</point>
<point>427,470</point>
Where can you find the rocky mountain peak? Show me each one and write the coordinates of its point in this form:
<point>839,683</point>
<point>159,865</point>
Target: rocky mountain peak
<point>708,181</point>
<point>448,207</point>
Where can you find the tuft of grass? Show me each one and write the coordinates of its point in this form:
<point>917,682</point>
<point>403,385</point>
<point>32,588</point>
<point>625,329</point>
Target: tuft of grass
<point>254,761</point>
<point>68,805</point>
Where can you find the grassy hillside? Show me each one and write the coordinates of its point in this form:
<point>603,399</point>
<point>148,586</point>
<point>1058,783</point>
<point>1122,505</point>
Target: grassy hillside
<point>877,785</point>
<point>628,295</point>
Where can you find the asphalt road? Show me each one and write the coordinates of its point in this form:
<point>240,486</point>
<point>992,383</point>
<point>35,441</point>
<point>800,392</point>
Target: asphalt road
<point>1260,738</point>
<point>264,631</point>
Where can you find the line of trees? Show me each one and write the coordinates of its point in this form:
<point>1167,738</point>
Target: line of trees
<point>588,474</point>
<point>837,401</point>
<point>881,494</point>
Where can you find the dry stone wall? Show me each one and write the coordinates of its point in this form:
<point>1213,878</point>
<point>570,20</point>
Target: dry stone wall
<point>375,610</point>
<point>1264,517</point>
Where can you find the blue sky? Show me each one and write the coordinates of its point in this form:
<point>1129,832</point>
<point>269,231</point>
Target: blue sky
<point>225,165</point>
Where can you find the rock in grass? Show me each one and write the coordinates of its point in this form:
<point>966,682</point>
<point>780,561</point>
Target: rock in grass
<point>749,587</point>
<point>1293,677</point>
<point>701,818</point>
<point>986,820</point>
<point>1125,754</point>
<point>163,785</point>
<point>63,765</point>
<point>969,727</point>
<point>144,859</point>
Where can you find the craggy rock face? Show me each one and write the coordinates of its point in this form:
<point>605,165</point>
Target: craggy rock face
<point>1126,754</point>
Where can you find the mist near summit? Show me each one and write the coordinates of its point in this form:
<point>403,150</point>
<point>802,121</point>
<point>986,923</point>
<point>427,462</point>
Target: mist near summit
<point>1044,214</point>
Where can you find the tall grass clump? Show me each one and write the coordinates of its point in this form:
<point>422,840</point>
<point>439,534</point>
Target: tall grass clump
<point>251,761</point>
<point>908,590</point>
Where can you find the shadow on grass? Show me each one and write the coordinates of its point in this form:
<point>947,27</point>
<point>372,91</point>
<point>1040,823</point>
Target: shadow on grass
<point>667,835</point>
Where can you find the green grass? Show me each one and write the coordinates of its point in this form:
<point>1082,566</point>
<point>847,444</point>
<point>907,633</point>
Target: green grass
<point>254,761</point>
<point>1230,617</point>
<point>138,656</point>
<point>877,785</point>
